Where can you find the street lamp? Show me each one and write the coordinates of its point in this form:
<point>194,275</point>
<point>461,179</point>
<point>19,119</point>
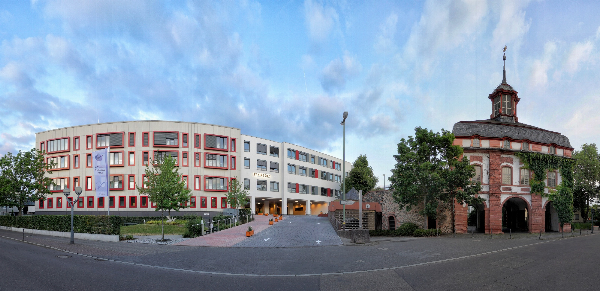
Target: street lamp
<point>67,192</point>
<point>344,167</point>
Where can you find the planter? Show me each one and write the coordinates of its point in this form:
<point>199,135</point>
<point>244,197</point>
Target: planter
<point>249,233</point>
<point>270,222</point>
<point>276,220</point>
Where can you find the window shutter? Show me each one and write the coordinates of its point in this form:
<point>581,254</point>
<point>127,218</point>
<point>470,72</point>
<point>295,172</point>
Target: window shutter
<point>145,139</point>
<point>211,141</point>
<point>197,141</point>
<point>116,139</point>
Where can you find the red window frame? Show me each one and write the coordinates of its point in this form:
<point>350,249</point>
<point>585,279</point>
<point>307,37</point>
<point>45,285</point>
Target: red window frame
<point>198,137</point>
<point>122,139</point>
<point>76,182</point>
<point>129,139</point>
<point>132,202</point>
<point>43,146</point>
<point>146,133</point>
<point>213,202</point>
<point>223,202</point>
<point>186,135</point>
<point>68,163</point>
<point>87,165</point>
<point>297,188</point>
<point>193,202</point>
<point>143,181</point>
<point>58,202</point>
<point>49,203</point>
<point>203,202</point>
<point>76,165</point>
<point>129,182</point>
<point>214,190</point>
<point>146,163</point>
<point>122,159</point>
<point>122,182</point>
<point>162,145</point>
<point>90,199</point>
<point>213,167</point>
<point>152,204</point>
<point>66,179</point>
<point>216,149</point>
<point>176,160</point>
<point>233,145</point>
<point>60,151</point>
<point>129,158</point>
<point>197,179</point>
<point>41,204</point>
<point>80,202</point>
<point>89,142</point>
<point>69,201</point>
<point>197,160</point>
<point>142,205</point>
<point>124,199</point>
<point>184,160</point>
<point>76,143</point>
<point>232,162</point>
<point>88,185</point>
<point>114,200</point>
<point>100,202</point>
<point>185,179</point>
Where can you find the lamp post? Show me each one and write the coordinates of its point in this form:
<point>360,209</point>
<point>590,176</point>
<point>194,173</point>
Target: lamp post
<point>344,167</point>
<point>67,192</point>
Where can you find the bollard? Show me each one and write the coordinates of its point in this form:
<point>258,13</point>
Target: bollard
<point>540,234</point>
<point>580,231</point>
<point>510,233</point>
<point>472,233</point>
<point>23,234</point>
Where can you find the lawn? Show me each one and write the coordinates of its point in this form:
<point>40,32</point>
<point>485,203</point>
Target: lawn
<point>151,229</point>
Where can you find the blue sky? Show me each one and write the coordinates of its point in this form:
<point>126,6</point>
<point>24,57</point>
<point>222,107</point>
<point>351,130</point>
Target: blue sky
<point>287,70</point>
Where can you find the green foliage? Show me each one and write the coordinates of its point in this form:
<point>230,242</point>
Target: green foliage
<point>406,229</point>
<point>23,178</point>
<point>361,177</point>
<point>581,225</point>
<point>152,229</point>
<point>193,228</point>
<point>586,174</point>
<point>429,170</point>
<point>95,224</point>
<point>562,201</point>
<point>425,232</point>
<point>237,196</point>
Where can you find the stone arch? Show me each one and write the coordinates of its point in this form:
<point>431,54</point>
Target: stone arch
<point>391,219</point>
<point>551,222</point>
<point>516,213</point>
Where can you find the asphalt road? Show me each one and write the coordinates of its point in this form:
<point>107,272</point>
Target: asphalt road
<point>446,263</point>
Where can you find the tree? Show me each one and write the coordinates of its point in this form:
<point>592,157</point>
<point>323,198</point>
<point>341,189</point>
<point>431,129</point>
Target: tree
<point>237,196</point>
<point>429,171</point>
<point>586,174</point>
<point>23,178</point>
<point>361,176</point>
<point>562,201</point>
<point>165,187</point>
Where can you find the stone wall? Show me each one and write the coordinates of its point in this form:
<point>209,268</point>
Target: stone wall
<point>389,207</point>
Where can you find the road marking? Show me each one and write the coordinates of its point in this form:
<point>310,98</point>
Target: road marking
<point>266,239</point>
<point>318,242</point>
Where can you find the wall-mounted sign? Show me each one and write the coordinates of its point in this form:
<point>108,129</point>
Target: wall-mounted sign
<point>262,175</point>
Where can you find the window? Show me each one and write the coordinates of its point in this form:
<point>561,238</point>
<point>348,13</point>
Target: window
<point>116,182</point>
<point>88,183</point>
<point>324,191</point>
<point>232,165</point>
<point>261,165</point>
<point>274,151</point>
<point>41,203</point>
<point>193,201</point>
<point>50,203</point>
<point>58,145</point>
<point>291,153</point>
<point>303,189</point>
<point>196,159</point>
<point>274,186</point>
<point>166,138</point>
<point>59,162</point>
<point>122,203</point>
<point>145,158</point>
<point>247,163</point>
<point>43,146</point>
<point>196,182</point>
<point>132,139</point>
<point>475,142</point>
<point>303,157</point>
<point>232,148</point>
<point>314,190</point>
<point>184,140</point>
<point>213,202</point>
<point>184,178</point>
<point>160,155</point>
<point>145,139</point>
<point>80,202</point>
<point>197,141</point>
<point>203,203</point>
<point>552,150</point>
<point>101,202</point>
<point>261,149</point>
<point>109,140</point>
<point>58,184</point>
<point>132,158</point>
<point>215,184</point>
<point>58,202</point>
<point>261,185</point>
<point>246,146</point>
<point>302,171</point>
<point>90,202</point>
<point>88,158</point>
<point>215,161</point>
<point>76,161</point>
<point>507,104</point>
<point>312,159</point>
<point>184,159</point>
<point>131,185</point>
<point>69,202</point>
<point>524,177</point>
<point>525,146</point>
<point>246,184</point>
<point>132,201</point>
<point>115,158</point>
<point>223,202</point>
<point>144,202</point>
<point>76,143</point>
<point>477,177</point>
<point>292,187</point>
<point>312,173</point>
<point>88,142</point>
<point>496,105</point>
<point>291,169</point>
<point>507,176</point>
<point>215,142</point>
<point>274,167</point>
<point>75,182</point>
<point>144,181</point>
<point>507,144</point>
<point>111,202</point>
<point>551,179</point>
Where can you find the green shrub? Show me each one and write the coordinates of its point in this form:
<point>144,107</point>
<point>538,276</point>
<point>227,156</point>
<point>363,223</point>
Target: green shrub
<point>95,224</point>
<point>425,232</point>
<point>581,225</point>
<point>193,228</point>
<point>406,229</point>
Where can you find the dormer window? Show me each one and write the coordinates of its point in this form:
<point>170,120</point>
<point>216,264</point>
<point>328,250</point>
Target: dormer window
<point>552,150</point>
<point>525,146</point>
<point>475,142</point>
<point>507,144</point>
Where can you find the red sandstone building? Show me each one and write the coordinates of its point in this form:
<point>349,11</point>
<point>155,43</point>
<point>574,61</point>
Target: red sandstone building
<point>491,145</point>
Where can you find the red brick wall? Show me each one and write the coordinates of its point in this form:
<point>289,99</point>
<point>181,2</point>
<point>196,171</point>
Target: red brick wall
<point>476,159</point>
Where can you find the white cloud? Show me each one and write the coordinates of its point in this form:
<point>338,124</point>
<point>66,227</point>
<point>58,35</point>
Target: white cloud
<point>387,31</point>
<point>511,26</point>
<point>336,73</point>
<point>320,20</point>
<point>584,122</point>
<point>540,67</point>
<point>580,52</point>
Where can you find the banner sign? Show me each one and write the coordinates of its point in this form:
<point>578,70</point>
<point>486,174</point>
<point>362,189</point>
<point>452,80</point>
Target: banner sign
<point>101,172</point>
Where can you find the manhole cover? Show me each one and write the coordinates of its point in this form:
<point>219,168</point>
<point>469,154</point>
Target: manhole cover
<point>63,257</point>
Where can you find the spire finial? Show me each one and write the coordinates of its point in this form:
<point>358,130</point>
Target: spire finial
<point>504,66</point>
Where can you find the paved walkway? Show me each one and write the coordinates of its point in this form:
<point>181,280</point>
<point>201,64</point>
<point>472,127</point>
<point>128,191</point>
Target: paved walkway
<point>231,236</point>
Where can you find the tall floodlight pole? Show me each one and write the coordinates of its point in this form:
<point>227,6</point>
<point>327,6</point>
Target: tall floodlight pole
<point>344,167</point>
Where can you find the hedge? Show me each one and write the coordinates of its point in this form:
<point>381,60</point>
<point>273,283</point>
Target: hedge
<point>95,224</point>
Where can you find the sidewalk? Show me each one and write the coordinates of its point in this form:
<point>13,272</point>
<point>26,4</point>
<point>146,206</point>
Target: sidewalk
<point>231,236</point>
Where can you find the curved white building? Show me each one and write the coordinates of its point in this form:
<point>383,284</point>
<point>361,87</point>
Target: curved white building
<point>280,177</point>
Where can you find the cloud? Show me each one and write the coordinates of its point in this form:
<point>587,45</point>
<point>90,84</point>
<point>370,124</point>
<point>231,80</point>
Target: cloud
<point>385,38</point>
<point>579,53</point>
<point>511,26</point>
<point>540,67</point>
<point>320,20</point>
<point>335,74</point>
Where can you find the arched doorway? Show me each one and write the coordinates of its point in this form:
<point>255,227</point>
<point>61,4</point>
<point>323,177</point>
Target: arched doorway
<point>392,223</point>
<point>476,218</point>
<point>515,215</point>
<point>551,218</point>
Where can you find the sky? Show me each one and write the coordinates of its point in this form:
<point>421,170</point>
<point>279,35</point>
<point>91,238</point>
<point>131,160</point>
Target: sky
<point>287,70</point>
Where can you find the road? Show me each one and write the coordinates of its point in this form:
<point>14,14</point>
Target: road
<point>445,263</point>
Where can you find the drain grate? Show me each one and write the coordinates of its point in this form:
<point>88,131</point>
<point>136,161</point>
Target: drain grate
<point>63,257</point>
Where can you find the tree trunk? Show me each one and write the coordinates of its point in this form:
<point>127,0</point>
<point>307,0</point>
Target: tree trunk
<point>162,214</point>
<point>20,208</point>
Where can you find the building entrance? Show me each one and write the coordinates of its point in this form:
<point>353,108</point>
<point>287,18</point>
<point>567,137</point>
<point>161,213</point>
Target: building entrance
<point>515,215</point>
